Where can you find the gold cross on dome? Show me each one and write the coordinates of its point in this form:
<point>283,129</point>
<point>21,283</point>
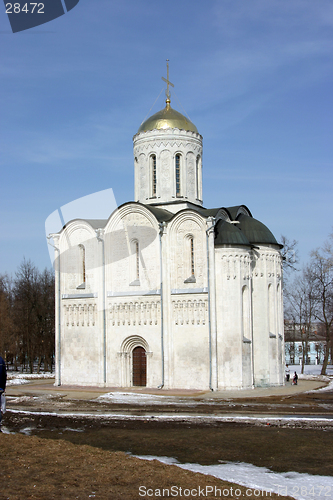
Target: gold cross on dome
<point>167,81</point>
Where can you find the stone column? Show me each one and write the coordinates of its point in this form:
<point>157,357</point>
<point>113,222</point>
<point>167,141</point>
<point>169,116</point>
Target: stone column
<point>212,301</point>
<point>166,348</point>
<point>101,301</point>
<point>58,317</point>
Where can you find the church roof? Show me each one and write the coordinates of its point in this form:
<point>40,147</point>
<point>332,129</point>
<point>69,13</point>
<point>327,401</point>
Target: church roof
<point>167,118</point>
<point>247,230</point>
<point>94,223</point>
<point>160,214</point>
<point>228,234</point>
<point>255,231</point>
<point>231,211</point>
<point>97,223</point>
<point>236,210</point>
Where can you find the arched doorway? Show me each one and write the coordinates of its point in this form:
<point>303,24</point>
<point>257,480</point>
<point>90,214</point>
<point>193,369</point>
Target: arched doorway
<point>139,366</point>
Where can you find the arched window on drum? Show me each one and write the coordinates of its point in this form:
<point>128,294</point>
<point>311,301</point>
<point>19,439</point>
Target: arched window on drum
<point>153,175</point>
<point>178,174</point>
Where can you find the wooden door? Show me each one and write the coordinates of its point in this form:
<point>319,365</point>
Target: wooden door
<point>139,367</point>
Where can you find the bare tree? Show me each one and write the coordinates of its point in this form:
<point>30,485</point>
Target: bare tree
<point>33,312</point>
<point>25,307</point>
<point>300,307</point>
<point>7,338</point>
<point>322,275</point>
<point>289,254</point>
<point>45,320</point>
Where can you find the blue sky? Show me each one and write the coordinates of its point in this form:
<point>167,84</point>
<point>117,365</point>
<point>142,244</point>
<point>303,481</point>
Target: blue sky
<point>255,76</point>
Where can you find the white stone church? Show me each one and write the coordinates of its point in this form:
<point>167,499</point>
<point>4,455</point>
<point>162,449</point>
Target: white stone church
<point>166,293</point>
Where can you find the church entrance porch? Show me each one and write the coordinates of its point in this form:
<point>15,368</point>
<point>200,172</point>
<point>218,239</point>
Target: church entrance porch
<point>139,367</point>
<point>134,354</point>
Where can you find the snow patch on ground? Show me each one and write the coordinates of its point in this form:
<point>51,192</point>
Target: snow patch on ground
<point>21,399</point>
<point>17,381</point>
<point>29,376</point>
<point>69,429</point>
<point>27,431</point>
<point>14,378</point>
<point>328,387</point>
<point>310,370</point>
<point>5,430</point>
<point>294,484</point>
<point>292,420</point>
<point>142,399</point>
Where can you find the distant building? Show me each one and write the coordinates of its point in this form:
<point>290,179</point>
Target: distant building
<point>315,345</point>
<point>166,293</point>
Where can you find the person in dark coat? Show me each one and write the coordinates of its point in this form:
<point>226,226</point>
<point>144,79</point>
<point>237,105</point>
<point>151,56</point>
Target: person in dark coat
<point>3,380</point>
<point>295,379</point>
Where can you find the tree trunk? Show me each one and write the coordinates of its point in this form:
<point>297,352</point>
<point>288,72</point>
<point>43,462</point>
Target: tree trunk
<point>325,362</point>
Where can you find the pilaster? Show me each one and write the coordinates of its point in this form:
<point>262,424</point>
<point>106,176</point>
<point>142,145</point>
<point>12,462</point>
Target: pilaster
<point>212,301</point>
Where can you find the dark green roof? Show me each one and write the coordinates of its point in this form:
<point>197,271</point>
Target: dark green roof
<point>233,211</point>
<point>229,234</point>
<point>207,212</point>
<point>248,231</point>
<point>256,232</point>
<point>160,214</point>
<point>97,223</point>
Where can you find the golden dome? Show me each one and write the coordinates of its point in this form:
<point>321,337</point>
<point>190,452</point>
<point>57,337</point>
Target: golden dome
<point>167,118</point>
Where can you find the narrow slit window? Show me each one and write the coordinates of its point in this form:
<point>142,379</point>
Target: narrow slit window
<point>153,175</point>
<point>83,262</point>
<point>197,176</point>
<point>177,175</point>
<point>192,256</point>
<point>137,260</point>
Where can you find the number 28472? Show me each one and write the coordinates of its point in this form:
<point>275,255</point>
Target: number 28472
<point>15,8</point>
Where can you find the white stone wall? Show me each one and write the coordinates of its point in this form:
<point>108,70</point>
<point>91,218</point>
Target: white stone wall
<point>232,274</point>
<point>81,343</point>
<point>166,144</point>
<point>233,341</point>
<point>133,321</point>
<point>249,317</point>
<point>267,317</point>
<point>133,302</point>
<point>190,341</point>
<point>186,302</point>
<point>132,223</point>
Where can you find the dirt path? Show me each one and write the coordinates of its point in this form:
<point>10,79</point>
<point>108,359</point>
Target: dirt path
<point>34,468</point>
<point>189,427</point>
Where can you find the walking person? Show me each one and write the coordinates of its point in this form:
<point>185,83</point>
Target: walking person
<point>287,373</point>
<point>3,380</point>
<point>295,379</point>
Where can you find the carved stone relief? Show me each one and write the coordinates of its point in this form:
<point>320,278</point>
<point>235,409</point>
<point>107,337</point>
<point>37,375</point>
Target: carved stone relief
<point>80,315</point>
<point>134,313</point>
<point>189,312</point>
